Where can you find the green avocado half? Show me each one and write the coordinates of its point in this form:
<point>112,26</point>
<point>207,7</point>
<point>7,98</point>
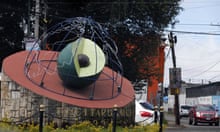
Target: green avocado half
<point>80,63</point>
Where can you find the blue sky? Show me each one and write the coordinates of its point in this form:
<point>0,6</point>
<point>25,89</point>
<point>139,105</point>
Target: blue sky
<point>197,55</point>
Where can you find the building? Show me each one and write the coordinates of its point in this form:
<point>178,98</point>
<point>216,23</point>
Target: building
<point>192,94</point>
<point>204,94</point>
<point>182,95</point>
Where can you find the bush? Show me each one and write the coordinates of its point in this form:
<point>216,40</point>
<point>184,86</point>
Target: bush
<point>85,126</point>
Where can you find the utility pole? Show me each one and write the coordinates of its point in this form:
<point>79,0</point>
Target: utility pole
<point>28,20</point>
<point>45,8</point>
<point>37,13</point>
<point>173,40</point>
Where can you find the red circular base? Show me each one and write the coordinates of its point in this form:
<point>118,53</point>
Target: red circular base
<point>105,94</point>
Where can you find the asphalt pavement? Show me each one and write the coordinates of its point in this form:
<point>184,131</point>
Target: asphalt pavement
<point>185,127</point>
<point>171,123</point>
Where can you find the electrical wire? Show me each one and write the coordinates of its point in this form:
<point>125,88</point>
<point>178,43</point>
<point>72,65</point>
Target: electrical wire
<point>196,24</point>
<point>214,77</point>
<point>206,69</point>
<point>189,32</point>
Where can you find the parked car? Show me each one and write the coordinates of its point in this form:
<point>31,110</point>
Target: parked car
<point>144,113</point>
<point>184,110</point>
<point>202,113</point>
<point>146,105</point>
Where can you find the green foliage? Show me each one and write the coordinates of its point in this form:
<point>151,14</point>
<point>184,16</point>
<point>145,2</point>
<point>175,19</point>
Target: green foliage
<point>125,21</point>
<point>136,22</point>
<point>11,34</point>
<point>141,15</point>
<point>85,126</point>
<point>5,126</point>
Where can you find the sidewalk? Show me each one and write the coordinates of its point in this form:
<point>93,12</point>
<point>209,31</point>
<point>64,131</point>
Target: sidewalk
<point>171,121</point>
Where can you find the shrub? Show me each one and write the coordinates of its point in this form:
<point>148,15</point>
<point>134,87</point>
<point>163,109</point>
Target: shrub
<point>85,126</point>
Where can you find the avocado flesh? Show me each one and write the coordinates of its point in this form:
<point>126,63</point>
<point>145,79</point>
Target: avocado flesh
<point>95,54</point>
<point>68,64</point>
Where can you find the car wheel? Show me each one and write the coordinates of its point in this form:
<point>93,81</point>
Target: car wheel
<point>217,123</point>
<point>210,124</point>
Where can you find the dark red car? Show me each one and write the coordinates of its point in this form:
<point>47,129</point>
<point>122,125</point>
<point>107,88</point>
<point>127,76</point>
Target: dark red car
<point>203,114</point>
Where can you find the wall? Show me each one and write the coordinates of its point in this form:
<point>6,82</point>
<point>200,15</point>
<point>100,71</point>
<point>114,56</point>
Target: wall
<point>21,105</point>
<point>171,101</point>
<point>216,102</point>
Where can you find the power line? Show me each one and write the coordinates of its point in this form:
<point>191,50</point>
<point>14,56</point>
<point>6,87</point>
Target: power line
<point>198,24</point>
<point>214,77</point>
<point>118,2</point>
<point>188,32</point>
<point>207,69</point>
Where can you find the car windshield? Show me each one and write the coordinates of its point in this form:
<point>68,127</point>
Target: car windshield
<point>205,108</point>
<point>147,105</point>
<point>185,107</point>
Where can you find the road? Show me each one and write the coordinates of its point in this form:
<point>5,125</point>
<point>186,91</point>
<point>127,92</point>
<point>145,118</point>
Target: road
<point>185,127</point>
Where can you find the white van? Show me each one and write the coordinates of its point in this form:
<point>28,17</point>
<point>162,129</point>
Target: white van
<point>184,110</point>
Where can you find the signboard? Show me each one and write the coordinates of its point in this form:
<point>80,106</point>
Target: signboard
<point>175,80</point>
<point>31,44</point>
<point>174,91</point>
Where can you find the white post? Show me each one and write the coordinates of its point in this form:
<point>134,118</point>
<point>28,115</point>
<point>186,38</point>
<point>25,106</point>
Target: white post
<point>37,13</point>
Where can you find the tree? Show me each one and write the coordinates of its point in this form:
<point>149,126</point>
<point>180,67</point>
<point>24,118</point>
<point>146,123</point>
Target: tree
<point>134,17</point>
<point>135,25</point>
<point>11,33</point>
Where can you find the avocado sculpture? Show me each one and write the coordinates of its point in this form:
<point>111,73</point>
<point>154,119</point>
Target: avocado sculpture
<point>80,63</point>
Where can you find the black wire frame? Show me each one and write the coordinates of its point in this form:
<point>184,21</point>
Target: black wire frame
<point>67,31</point>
